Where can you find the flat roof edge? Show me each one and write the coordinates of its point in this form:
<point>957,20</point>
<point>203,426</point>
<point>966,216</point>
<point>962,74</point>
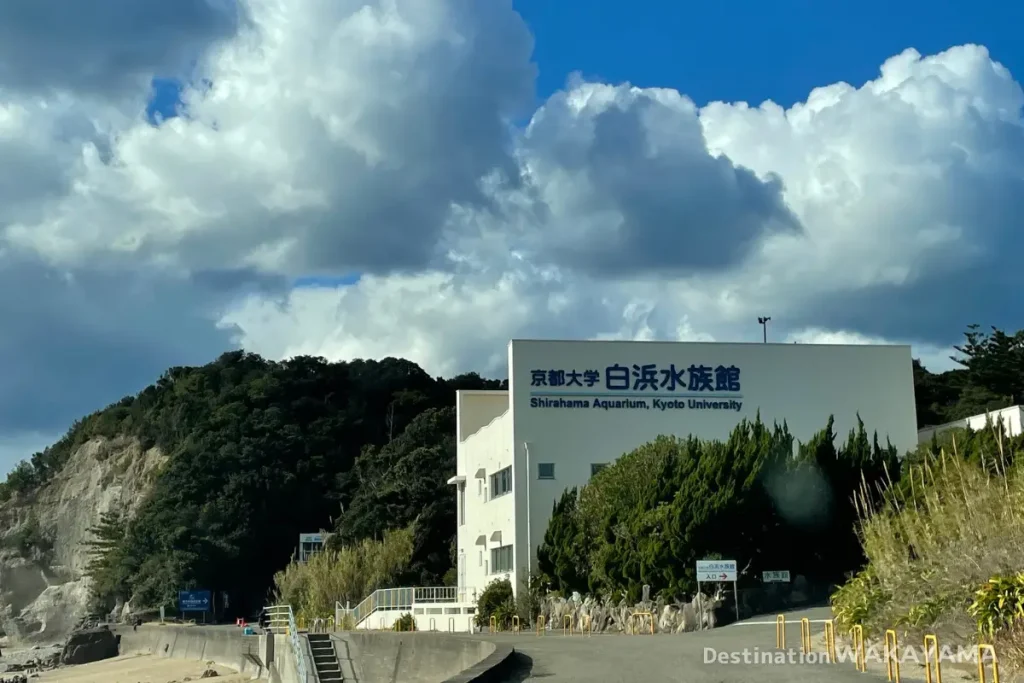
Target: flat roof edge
<point>702,343</point>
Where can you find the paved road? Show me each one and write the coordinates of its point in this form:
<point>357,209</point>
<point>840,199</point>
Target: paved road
<point>618,658</point>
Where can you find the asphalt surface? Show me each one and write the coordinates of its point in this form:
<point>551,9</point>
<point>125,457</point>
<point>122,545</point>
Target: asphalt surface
<point>619,658</point>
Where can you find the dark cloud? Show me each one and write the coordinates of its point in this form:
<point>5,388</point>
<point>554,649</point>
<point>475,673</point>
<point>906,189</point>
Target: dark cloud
<point>105,46</point>
<point>650,198</point>
<point>74,344</point>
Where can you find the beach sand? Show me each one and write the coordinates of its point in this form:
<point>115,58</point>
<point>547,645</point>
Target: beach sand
<point>138,669</point>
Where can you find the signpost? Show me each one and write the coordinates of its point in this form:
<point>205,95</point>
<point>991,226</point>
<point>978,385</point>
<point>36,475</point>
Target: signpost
<point>776,576</point>
<point>194,601</point>
<point>717,571</point>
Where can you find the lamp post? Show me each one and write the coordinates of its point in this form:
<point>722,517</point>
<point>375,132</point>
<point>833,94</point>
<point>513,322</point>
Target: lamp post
<point>763,321</point>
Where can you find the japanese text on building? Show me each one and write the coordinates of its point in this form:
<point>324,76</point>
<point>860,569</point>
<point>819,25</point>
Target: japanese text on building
<point>647,377</point>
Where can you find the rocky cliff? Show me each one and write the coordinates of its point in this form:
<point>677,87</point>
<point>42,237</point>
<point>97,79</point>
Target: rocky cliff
<point>43,537</point>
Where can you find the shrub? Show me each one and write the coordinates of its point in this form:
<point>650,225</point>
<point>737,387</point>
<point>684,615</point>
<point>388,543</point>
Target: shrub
<point>858,600</point>
<point>496,601</point>
<point>529,599</point>
<point>998,604</point>
<point>406,622</point>
<point>951,525</point>
<point>346,575</point>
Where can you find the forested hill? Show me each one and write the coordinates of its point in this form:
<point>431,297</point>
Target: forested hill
<point>261,451</point>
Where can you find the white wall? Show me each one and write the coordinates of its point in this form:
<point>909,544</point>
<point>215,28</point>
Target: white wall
<point>1011,419</point>
<point>489,448</point>
<point>442,617</point>
<point>800,383</point>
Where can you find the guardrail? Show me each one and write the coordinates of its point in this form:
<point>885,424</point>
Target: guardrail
<point>281,619</point>
<point>399,599</point>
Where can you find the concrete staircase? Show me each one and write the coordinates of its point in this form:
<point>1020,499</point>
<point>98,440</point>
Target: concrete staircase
<point>325,659</point>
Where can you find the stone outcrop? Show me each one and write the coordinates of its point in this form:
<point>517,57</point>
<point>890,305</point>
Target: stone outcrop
<point>44,592</point>
<point>90,645</point>
<point>602,615</point>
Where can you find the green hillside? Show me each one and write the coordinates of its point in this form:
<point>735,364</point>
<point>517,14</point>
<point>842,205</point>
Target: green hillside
<point>261,451</point>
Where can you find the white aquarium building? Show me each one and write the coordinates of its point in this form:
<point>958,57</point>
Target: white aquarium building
<point>573,407</point>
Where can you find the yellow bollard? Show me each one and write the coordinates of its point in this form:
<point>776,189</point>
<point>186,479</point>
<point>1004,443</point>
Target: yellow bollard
<point>830,641</point>
<point>780,631</point>
<point>805,635</point>
<point>567,624</point>
<point>982,649</point>
<point>494,624</point>
<point>330,624</point>
<point>857,636</point>
<point>380,624</point>
<point>451,624</point>
<point>930,638</point>
<point>433,624</point>
<point>540,625</point>
<point>587,626</point>
<point>892,656</point>
<point>515,624</point>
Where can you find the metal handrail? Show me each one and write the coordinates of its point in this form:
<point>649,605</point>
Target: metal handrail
<point>282,618</point>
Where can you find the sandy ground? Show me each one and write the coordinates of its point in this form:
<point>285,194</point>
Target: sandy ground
<point>11,656</point>
<point>138,669</point>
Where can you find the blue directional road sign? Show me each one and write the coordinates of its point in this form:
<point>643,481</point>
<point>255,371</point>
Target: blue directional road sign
<point>194,601</point>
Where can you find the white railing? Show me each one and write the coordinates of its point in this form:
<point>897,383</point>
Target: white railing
<point>400,599</point>
<point>281,619</point>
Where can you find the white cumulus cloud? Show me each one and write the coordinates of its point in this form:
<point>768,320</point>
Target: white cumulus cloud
<point>328,139</point>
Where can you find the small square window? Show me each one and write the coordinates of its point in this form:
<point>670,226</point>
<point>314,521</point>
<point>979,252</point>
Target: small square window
<point>545,470</point>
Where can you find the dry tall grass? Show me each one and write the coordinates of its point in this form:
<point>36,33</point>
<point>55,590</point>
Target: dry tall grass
<point>930,551</point>
<point>346,575</point>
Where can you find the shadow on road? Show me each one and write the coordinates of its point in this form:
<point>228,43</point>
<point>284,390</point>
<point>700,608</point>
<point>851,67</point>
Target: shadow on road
<point>522,669</point>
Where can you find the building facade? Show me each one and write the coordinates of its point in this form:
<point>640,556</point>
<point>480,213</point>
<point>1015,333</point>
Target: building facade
<point>1011,419</point>
<point>574,407</point>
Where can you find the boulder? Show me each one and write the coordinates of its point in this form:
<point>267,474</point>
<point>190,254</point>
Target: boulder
<point>90,645</point>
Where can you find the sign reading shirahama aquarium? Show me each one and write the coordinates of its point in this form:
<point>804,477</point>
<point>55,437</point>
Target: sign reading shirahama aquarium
<point>637,387</point>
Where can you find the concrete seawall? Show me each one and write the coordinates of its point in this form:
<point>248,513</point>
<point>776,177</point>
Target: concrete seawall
<point>382,657</point>
<point>224,646</point>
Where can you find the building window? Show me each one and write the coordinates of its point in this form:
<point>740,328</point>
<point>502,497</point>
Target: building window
<point>462,504</point>
<point>501,482</point>
<point>501,559</point>
<point>545,470</point>
<point>596,467</point>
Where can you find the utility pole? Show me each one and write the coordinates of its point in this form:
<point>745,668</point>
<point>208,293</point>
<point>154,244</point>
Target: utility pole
<point>763,321</point>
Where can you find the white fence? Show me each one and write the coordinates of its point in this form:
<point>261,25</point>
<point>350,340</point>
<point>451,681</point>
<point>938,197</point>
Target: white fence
<point>400,599</point>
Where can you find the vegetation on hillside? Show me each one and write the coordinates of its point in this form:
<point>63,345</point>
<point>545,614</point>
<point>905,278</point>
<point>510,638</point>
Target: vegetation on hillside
<point>949,534</point>
<point>944,549</point>
<point>261,451</point>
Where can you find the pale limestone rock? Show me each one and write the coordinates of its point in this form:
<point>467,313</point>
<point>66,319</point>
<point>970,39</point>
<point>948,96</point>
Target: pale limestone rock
<point>44,597</point>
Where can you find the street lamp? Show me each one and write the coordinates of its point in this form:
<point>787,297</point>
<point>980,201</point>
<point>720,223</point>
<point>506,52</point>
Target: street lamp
<point>763,321</point>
